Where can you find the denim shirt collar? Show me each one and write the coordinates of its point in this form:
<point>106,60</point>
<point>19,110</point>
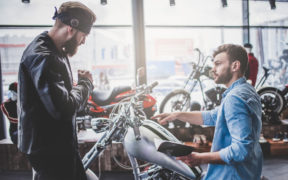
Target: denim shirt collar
<point>234,84</point>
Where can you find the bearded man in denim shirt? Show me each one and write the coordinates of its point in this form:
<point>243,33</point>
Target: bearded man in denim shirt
<point>235,152</point>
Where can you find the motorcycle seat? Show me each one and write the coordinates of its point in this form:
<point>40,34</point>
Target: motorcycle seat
<point>103,98</point>
<point>173,148</point>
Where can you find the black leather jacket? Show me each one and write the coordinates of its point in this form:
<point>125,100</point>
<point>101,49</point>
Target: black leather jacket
<point>48,101</point>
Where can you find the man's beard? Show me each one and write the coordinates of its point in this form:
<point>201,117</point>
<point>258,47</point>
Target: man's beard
<point>71,46</point>
<point>225,77</point>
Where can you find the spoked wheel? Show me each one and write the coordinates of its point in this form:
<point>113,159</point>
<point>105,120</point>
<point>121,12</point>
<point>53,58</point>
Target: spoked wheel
<point>273,103</point>
<point>176,101</point>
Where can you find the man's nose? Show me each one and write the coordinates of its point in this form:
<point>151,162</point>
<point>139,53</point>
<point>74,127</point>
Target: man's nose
<point>83,40</point>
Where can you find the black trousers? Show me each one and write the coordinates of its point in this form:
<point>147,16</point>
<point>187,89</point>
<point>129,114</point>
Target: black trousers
<point>57,166</point>
<point>13,131</point>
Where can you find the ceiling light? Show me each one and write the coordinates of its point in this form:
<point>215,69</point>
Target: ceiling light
<point>272,4</point>
<point>26,1</point>
<point>172,2</point>
<point>224,3</point>
<point>103,2</point>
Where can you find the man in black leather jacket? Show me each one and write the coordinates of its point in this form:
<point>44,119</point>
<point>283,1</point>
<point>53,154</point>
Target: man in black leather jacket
<point>48,101</point>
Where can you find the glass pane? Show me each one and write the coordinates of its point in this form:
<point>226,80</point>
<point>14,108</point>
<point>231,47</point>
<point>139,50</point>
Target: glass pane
<point>170,52</point>
<point>106,50</point>
<point>192,12</point>
<point>270,46</point>
<point>110,52</point>
<point>261,14</point>
<point>12,44</point>
<point>40,12</point>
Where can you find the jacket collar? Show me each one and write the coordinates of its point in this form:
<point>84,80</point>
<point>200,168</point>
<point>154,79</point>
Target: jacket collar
<point>50,44</point>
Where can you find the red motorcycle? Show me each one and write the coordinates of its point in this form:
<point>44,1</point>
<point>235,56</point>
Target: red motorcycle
<point>101,103</point>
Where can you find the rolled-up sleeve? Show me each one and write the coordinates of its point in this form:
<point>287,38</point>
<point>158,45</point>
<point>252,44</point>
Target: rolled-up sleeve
<point>239,123</point>
<point>210,117</point>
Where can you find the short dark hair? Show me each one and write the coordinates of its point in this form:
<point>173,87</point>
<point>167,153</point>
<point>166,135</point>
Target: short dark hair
<point>13,86</point>
<point>248,45</point>
<point>234,52</point>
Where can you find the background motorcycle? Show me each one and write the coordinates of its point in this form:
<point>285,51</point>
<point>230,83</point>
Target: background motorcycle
<point>128,125</point>
<point>181,99</point>
<point>101,103</point>
<point>273,102</point>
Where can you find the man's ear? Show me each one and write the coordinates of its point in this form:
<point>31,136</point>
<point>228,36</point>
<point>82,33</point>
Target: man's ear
<point>71,31</point>
<point>236,66</point>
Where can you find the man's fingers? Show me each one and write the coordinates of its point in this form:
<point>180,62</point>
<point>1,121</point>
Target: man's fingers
<point>161,116</point>
<point>187,160</point>
<point>81,71</point>
<point>157,116</point>
<point>85,74</point>
<point>181,158</point>
<point>165,120</point>
<point>162,122</point>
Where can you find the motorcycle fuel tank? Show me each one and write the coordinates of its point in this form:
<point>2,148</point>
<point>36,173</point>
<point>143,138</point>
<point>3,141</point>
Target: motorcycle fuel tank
<point>144,149</point>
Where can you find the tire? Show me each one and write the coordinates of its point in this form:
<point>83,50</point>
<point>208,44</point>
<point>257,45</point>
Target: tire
<point>272,99</point>
<point>179,96</point>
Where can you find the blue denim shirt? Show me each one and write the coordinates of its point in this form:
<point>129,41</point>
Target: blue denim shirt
<point>238,125</point>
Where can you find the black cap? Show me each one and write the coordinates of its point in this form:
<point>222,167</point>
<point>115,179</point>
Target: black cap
<point>76,18</point>
<point>248,45</point>
<point>13,87</point>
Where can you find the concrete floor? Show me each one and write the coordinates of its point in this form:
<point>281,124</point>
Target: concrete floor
<point>273,169</point>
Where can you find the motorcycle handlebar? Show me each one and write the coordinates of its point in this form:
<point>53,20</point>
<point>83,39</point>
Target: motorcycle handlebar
<point>154,84</point>
<point>83,118</point>
<point>147,88</point>
<point>136,125</point>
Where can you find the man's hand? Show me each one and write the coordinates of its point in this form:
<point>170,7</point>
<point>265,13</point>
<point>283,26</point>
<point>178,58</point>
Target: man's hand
<point>165,117</point>
<point>85,74</point>
<point>193,159</point>
<point>194,117</point>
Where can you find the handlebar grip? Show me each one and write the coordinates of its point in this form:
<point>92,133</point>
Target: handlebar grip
<point>83,118</point>
<point>153,84</point>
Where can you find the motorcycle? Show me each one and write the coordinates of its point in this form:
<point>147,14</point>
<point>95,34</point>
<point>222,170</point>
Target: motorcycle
<point>127,124</point>
<point>273,102</point>
<point>101,103</point>
<point>181,99</point>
